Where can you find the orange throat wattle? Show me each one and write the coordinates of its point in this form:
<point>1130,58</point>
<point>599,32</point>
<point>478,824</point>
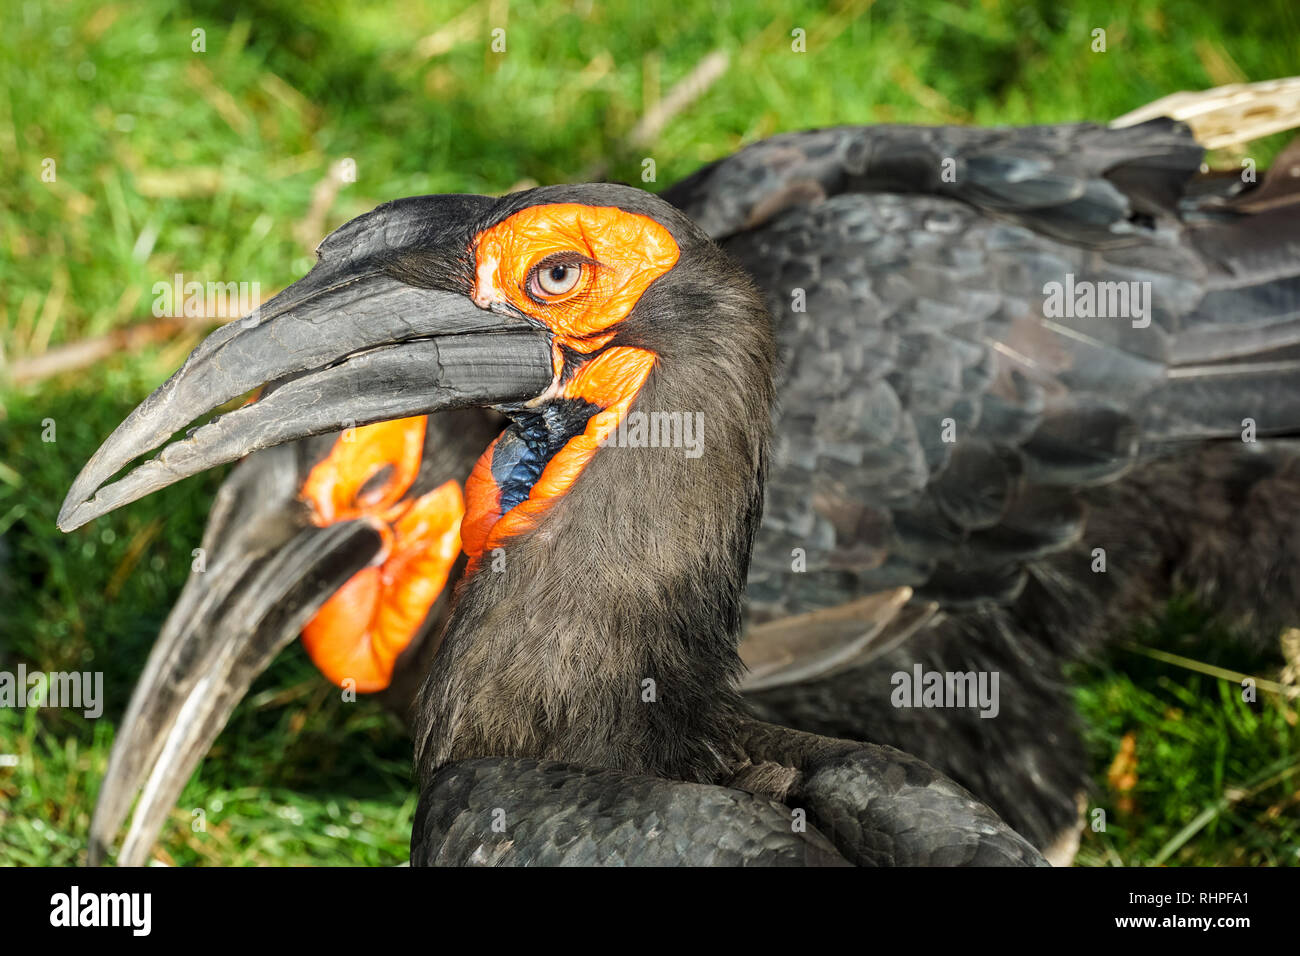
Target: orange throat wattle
<point>610,381</point>
<point>357,636</point>
<point>610,257</point>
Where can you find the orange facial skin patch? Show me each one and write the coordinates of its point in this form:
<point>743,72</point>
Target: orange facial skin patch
<point>359,633</point>
<point>624,253</point>
<point>619,254</point>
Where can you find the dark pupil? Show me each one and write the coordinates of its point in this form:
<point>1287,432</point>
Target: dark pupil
<point>558,273</point>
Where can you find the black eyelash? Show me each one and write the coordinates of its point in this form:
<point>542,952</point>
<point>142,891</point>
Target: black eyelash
<point>565,258</point>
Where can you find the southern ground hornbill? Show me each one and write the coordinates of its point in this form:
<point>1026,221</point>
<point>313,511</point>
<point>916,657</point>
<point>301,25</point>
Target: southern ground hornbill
<point>599,659</point>
<point>924,305</point>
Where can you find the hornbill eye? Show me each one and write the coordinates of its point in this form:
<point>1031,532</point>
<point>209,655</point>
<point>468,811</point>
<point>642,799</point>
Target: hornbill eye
<point>555,279</point>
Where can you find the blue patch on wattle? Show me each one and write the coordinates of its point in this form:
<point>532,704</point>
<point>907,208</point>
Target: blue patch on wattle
<point>531,441</point>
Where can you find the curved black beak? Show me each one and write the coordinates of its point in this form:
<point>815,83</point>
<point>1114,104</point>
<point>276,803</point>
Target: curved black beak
<point>346,345</point>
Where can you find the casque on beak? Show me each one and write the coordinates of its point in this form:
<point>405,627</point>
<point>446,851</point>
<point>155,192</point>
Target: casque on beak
<point>382,327</point>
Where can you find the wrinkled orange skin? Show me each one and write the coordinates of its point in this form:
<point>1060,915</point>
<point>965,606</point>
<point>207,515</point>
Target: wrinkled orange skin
<point>630,252</point>
<point>359,633</point>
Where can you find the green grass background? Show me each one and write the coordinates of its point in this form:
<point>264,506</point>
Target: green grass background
<point>205,163</point>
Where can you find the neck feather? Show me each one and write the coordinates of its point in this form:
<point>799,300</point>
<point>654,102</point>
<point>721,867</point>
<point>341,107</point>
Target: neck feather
<point>606,634</point>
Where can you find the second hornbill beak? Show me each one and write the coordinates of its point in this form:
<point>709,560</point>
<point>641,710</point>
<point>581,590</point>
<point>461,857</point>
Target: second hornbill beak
<point>382,327</point>
<point>270,562</point>
<point>269,573</point>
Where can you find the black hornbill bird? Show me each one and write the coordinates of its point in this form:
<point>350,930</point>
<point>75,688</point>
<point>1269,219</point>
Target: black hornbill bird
<point>990,529</point>
<point>599,659</point>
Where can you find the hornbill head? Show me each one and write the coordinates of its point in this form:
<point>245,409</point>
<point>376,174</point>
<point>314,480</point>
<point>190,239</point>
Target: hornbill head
<point>553,306</point>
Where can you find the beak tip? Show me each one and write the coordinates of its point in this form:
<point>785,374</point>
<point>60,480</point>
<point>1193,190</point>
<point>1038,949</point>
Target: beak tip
<point>70,515</point>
